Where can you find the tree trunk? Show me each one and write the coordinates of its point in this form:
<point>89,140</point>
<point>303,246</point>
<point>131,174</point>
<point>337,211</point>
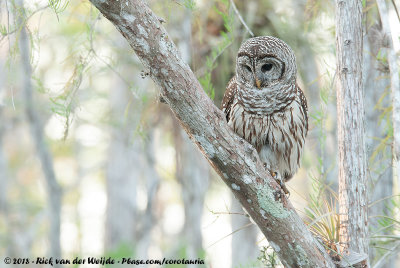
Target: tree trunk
<point>3,160</point>
<point>379,159</point>
<point>4,182</point>
<point>244,242</point>
<point>193,174</point>
<point>235,160</point>
<point>151,179</point>
<point>353,201</point>
<point>394,84</point>
<point>54,191</point>
<point>124,167</point>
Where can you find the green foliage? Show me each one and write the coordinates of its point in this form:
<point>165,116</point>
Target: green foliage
<point>64,103</point>
<point>269,258</point>
<point>190,4</point>
<point>381,154</point>
<point>313,11</point>
<point>58,6</point>
<point>322,215</point>
<point>227,39</point>
<point>3,30</point>
<point>381,57</point>
<point>39,85</point>
<point>252,264</point>
<point>323,219</point>
<point>124,250</point>
<point>182,254</point>
<point>319,118</point>
<point>382,238</point>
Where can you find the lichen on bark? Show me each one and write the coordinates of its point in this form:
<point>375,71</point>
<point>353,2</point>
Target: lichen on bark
<point>267,201</point>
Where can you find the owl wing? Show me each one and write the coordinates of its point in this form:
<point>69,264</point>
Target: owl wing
<point>228,98</point>
<point>303,103</point>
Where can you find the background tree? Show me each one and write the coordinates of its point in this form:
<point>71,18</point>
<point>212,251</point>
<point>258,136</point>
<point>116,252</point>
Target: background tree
<point>377,132</point>
<point>353,199</point>
<point>54,191</point>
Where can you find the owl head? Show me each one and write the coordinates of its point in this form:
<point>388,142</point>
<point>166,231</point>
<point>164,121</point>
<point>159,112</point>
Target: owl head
<point>264,62</point>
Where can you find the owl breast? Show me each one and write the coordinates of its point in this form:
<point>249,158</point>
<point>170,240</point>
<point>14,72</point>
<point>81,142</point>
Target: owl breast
<point>278,137</point>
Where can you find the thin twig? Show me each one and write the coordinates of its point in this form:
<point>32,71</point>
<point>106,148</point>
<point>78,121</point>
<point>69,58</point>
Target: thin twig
<point>228,213</point>
<point>382,229</point>
<point>382,199</point>
<point>385,258</point>
<point>241,18</point>
<point>385,217</point>
<point>8,27</point>
<point>25,21</point>
<point>395,8</point>
<point>237,230</point>
<point>109,66</point>
<point>388,237</point>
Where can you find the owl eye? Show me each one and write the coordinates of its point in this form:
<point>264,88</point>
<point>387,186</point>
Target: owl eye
<point>266,67</point>
<point>247,67</point>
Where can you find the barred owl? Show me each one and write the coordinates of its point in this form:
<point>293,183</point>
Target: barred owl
<point>264,105</point>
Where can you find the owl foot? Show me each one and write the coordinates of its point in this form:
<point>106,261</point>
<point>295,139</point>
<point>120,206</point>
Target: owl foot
<point>283,186</point>
<point>278,179</point>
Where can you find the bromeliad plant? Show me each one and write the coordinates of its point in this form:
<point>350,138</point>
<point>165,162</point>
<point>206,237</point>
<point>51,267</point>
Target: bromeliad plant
<point>323,220</point>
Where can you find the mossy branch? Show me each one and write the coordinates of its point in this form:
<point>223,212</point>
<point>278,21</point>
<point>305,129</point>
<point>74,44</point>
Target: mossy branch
<point>235,160</point>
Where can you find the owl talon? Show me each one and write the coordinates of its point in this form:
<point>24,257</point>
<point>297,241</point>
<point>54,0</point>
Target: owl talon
<point>278,179</point>
<point>285,189</point>
<point>281,183</point>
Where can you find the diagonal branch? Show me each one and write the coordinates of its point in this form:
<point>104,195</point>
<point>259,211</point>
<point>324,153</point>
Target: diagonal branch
<point>235,160</point>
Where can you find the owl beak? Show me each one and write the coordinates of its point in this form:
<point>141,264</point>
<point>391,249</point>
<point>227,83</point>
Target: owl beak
<point>258,83</point>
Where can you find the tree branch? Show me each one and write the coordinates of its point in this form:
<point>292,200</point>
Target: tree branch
<point>235,160</point>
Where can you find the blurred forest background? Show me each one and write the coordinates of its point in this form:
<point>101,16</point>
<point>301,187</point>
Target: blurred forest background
<point>91,164</point>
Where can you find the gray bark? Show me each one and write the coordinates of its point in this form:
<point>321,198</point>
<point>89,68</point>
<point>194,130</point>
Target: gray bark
<point>353,200</point>
<point>235,160</point>
<point>54,191</point>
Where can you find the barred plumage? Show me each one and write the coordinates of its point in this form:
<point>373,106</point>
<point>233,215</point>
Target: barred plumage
<point>264,105</point>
